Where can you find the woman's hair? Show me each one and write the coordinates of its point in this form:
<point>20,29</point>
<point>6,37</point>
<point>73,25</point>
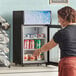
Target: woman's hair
<point>68,14</point>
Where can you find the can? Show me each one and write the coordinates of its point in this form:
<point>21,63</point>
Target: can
<point>39,57</point>
<point>26,44</point>
<point>37,44</point>
<point>32,35</point>
<point>35,35</point>
<point>32,43</point>
<point>42,35</point>
<point>28,35</point>
<point>42,56</point>
<point>26,57</point>
<point>32,58</point>
<point>25,36</point>
<point>39,35</point>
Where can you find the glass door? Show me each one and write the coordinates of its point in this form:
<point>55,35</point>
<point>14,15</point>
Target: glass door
<point>54,54</point>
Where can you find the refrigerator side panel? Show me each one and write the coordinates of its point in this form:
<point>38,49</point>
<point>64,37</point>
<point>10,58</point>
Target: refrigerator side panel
<point>22,43</point>
<point>17,22</point>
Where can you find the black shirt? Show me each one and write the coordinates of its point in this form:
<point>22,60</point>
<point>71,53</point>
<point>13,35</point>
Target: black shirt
<point>66,38</point>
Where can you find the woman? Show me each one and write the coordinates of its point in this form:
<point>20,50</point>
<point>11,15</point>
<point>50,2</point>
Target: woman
<point>66,38</point>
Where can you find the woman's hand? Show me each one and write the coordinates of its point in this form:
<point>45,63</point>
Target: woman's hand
<point>37,52</point>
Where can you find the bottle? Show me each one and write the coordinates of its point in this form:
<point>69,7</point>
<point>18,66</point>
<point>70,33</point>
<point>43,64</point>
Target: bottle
<point>42,56</point>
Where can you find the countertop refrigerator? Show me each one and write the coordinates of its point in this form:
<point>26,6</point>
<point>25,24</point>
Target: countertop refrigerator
<point>34,37</point>
<point>40,25</point>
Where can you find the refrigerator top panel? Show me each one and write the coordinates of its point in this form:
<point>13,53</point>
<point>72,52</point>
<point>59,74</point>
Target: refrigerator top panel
<point>37,17</point>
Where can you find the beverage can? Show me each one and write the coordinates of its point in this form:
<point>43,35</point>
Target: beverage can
<point>28,35</point>
<point>35,35</point>
<point>26,57</point>
<point>32,36</point>
<point>42,56</point>
<point>38,44</point>
<point>39,57</point>
<point>32,58</point>
<point>35,43</point>
<point>32,44</point>
<point>42,35</point>
<point>39,35</point>
<point>26,44</point>
<point>25,35</point>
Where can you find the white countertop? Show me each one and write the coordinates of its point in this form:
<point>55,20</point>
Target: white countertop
<point>28,69</point>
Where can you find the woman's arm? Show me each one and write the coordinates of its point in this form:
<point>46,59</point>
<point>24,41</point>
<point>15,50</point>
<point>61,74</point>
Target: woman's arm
<point>48,46</point>
<point>45,47</point>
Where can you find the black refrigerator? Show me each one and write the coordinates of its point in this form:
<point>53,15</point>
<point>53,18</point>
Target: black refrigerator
<point>29,37</point>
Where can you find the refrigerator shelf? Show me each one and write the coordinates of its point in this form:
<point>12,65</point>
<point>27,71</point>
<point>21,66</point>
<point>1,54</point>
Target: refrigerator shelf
<point>33,38</point>
<point>1,42</point>
<point>30,49</point>
<point>38,61</point>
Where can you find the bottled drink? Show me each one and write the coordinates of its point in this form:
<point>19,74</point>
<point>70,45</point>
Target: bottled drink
<point>39,57</point>
<point>42,56</point>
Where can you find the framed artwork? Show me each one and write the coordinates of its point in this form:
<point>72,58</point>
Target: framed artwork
<point>58,1</point>
<point>37,17</point>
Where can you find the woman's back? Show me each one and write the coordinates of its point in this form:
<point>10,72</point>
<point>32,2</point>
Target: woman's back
<point>67,41</point>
